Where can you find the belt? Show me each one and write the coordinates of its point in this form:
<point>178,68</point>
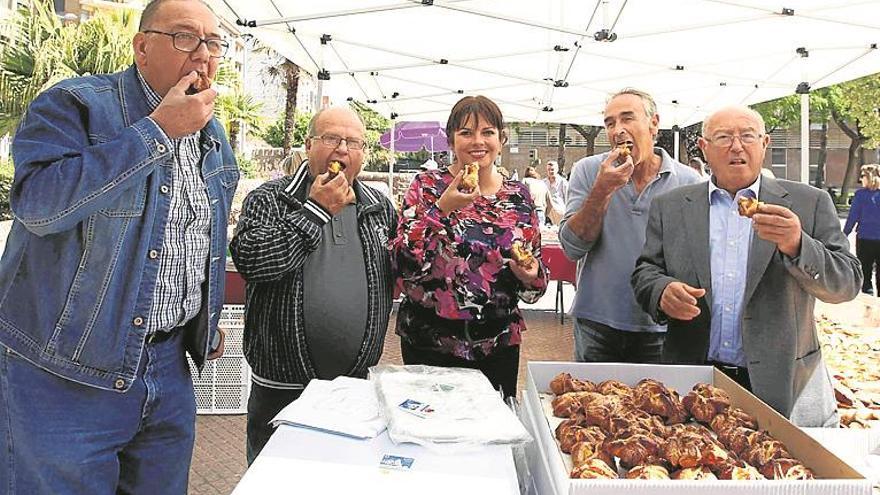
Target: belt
<point>729,369</point>
<point>158,337</point>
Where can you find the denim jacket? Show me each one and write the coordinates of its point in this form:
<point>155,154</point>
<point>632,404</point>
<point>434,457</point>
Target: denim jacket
<point>90,200</point>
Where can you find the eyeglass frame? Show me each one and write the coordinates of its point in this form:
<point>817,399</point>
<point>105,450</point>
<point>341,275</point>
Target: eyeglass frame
<point>713,140</point>
<point>334,141</point>
<point>224,43</point>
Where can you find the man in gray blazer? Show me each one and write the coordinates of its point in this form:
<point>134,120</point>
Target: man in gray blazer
<point>739,292</point>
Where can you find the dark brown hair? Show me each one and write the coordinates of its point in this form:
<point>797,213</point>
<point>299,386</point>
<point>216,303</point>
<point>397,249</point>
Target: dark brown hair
<point>474,107</point>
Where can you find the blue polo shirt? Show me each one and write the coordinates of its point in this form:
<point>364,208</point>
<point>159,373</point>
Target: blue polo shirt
<point>604,293</point>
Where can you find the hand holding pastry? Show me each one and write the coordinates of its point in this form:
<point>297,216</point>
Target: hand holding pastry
<point>453,198</point>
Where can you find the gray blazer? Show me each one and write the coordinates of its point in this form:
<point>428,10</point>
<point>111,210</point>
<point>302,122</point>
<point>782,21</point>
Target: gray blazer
<point>778,327</point>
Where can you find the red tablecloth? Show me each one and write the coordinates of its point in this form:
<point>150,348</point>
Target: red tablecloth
<point>234,288</point>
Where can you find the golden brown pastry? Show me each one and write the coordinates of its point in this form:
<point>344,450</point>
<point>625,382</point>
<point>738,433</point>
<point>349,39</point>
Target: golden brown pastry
<point>470,179</point>
<point>625,150</point>
<point>786,469</point>
<point>653,397</point>
<point>594,469</point>
<point>577,434</point>
<point>582,452</point>
<point>748,206</point>
<point>695,473</point>
<point>764,452</point>
<point>740,439</point>
<point>522,256</point>
<point>574,420</point>
<point>333,169</point>
<point>648,472</point>
<point>733,417</point>
<point>636,449</point>
<point>705,401</point>
<point>693,450</point>
<point>566,405</point>
<point>743,472</point>
<point>564,383</point>
<point>614,387</point>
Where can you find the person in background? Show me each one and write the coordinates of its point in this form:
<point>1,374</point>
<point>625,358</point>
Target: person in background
<point>738,292</point>
<point>558,187</point>
<point>699,167</point>
<point>453,254</point>
<point>114,268</point>
<point>864,216</point>
<point>604,226</point>
<point>313,251</point>
<point>539,192</point>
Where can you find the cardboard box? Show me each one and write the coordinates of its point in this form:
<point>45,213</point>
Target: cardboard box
<point>837,478</point>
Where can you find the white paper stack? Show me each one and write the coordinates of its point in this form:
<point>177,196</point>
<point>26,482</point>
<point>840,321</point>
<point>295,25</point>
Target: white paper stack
<point>344,406</point>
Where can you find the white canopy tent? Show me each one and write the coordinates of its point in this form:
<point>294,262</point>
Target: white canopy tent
<point>558,60</point>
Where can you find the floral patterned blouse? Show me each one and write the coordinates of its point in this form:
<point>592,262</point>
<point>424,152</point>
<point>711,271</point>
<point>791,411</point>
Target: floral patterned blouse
<point>460,296</point>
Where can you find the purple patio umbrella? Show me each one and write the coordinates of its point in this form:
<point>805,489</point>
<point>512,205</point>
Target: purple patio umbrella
<point>413,136</point>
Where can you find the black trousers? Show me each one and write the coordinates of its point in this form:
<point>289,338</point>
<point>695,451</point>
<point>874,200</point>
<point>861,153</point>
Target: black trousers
<point>868,253</point>
<point>501,367</point>
<point>264,403</point>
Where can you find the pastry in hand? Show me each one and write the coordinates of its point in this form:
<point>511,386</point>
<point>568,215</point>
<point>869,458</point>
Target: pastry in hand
<point>522,256</point>
<point>333,169</point>
<point>470,178</point>
<point>202,83</point>
<point>748,206</point>
<point>624,151</point>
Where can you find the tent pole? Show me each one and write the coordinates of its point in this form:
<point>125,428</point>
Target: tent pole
<point>805,138</point>
<point>391,160</point>
<point>675,143</point>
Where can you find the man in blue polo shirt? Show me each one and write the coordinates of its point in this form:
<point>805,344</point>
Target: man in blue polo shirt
<point>604,228</point>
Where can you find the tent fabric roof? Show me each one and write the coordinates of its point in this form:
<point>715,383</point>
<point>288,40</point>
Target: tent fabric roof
<point>552,61</point>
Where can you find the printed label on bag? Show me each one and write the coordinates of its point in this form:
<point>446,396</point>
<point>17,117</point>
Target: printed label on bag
<point>417,408</point>
<point>396,462</point>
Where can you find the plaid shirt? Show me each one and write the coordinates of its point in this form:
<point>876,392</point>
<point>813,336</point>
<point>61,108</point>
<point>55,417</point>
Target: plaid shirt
<point>278,229</point>
<point>177,296</point>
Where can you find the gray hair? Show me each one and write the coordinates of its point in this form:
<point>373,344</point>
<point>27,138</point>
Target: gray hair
<point>647,100</point>
<point>152,8</point>
<point>741,108</point>
<point>313,123</point>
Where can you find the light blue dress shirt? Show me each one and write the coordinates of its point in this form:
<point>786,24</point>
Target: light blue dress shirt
<point>730,236</point>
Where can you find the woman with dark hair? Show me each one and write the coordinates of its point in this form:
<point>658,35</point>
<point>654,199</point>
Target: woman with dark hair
<point>864,215</point>
<point>454,250</point>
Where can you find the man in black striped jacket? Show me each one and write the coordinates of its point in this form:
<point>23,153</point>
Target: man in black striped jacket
<point>313,249</point>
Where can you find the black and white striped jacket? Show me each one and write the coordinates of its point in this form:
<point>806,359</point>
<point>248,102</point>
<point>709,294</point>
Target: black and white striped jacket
<point>279,227</point>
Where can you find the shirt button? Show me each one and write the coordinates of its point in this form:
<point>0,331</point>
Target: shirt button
<point>727,344</point>
<point>731,243</point>
<point>339,234</point>
<point>119,384</point>
<point>153,254</point>
<point>161,148</point>
<point>138,321</point>
<point>163,189</point>
<point>728,308</point>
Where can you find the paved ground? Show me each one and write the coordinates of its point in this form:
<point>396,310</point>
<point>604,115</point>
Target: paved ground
<point>219,457</point>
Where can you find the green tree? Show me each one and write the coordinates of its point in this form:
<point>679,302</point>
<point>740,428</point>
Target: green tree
<point>286,73</point>
<point>274,133</point>
<point>377,158</point>
<point>854,110</point>
<point>237,109</point>
<point>38,51</point>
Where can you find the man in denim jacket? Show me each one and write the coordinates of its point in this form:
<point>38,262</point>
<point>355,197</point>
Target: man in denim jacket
<point>115,267</point>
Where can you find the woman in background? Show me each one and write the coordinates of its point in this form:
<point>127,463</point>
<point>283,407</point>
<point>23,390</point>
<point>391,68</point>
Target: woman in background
<point>864,214</point>
<point>453,255</point>
<point>539,192</point>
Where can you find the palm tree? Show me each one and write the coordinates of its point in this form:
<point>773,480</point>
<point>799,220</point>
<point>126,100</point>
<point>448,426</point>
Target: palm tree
<point>287,73</point>
<point>38,51</point>
<point>237,109</point>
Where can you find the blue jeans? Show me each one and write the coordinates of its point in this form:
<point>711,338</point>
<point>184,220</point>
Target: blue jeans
<point>61,437</point>
<point>598,343</point>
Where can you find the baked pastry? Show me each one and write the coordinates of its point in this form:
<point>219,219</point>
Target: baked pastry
<point>470,178</point>
<point>571,437</point>
<point>739,472</point>
<point>582,452</point>
<point>740,439</point>
<point>692,450</point>
<point>748,206</point>
<point>694,473</point>
<point>202,83</point>
<point>564,383</point>
<point>614,387</point>
<point>636,449</point>
<point>624,151</point>
<point>762,453</point>
<point>522,256</point>
<point>333,169</point>
<point>648,472</point>
<point>594,469</point>
<point>733,417</point>
<point>786,469</point>
<point>705,401</point>
<point>573,421</point>
<point>653,397</point>
<point>566,405</point>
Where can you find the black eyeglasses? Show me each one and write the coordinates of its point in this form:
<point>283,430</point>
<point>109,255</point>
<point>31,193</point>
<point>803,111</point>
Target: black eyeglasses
<point>188,42</point>
<point>333,141</point>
